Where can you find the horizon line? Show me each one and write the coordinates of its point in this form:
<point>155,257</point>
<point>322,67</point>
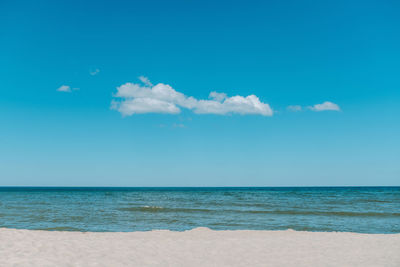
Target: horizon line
<point>294,186</point>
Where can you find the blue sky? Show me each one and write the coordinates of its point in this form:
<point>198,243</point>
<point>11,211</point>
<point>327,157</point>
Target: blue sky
<point>74,112</point>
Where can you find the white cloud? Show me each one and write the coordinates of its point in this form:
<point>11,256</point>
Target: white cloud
<point>294,108</point>
<point>162,92</point>
<point>325,106</point>
<point>145,80</point>
<point>144,105</point>
<point>236,104</point>
<point>64,88</point>
<point>217,96</point>
<point>161,98</point>
<point>94,72</point>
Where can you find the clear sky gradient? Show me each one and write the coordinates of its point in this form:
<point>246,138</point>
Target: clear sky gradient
<point>62,62</point>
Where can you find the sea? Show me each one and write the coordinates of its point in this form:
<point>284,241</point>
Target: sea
<point>111,209</point>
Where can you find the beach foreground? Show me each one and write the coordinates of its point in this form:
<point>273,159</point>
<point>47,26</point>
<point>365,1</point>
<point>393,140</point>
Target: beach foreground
<point>197,247</point>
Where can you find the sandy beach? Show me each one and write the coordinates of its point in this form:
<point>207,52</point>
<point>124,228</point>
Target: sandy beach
<point>197,247</point>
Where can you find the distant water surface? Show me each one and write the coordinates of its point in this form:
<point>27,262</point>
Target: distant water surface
<point>350,209</point>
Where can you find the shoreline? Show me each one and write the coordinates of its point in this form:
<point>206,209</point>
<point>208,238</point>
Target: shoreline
<point>197,247</point>
<point>55,230</point>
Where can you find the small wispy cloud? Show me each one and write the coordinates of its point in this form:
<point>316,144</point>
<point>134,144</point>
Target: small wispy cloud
<point>325,106</point>
<point>217,96</point>
<point>66,89</point>
<point>294,108</point>
<point>94,72</point>
<point>133,98</point>
<point>145,81</point>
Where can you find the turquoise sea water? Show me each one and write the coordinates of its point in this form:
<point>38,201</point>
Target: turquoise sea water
<point>350,209</point>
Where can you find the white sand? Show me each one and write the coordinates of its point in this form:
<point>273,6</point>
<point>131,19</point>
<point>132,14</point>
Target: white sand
<point>198,247</point>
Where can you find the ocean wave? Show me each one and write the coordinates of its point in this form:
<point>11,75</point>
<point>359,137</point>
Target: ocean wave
<point>163,209</point>
<point>328,213</point>
<point>61,228</point>
<point>272,212</point>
